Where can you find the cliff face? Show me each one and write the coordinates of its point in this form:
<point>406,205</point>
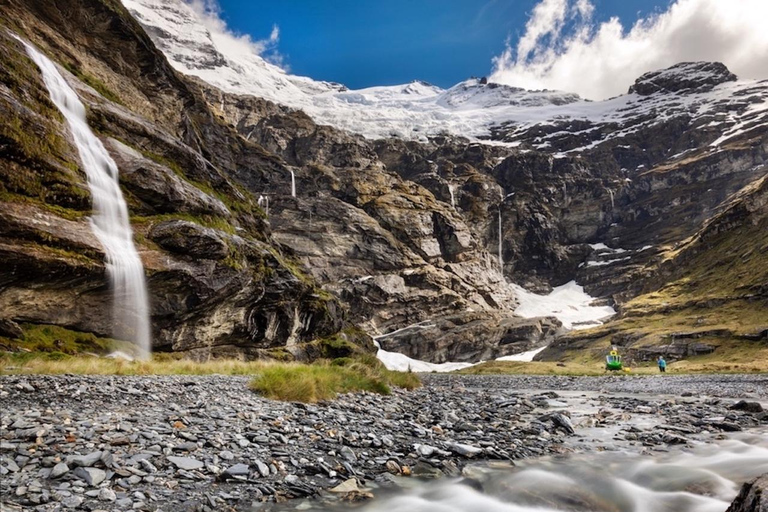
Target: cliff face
<point>384,234</point>
<point>219,283</point>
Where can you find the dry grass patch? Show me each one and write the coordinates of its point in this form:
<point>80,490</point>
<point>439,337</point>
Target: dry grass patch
<point>321,380</point>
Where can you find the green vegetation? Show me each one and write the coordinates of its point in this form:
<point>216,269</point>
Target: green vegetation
<point>747,361</point>
<point>208,221</point>
<point>52,339</point>
<point>93,82</point>
<point>325,380</point>
<point>321,380</point>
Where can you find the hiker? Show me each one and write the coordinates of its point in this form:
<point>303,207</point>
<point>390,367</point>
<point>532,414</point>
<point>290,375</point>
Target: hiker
<point>662,364</point>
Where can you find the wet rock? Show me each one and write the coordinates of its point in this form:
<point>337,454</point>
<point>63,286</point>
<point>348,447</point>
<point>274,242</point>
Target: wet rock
<point>743,405</point>
<point>753,497</point>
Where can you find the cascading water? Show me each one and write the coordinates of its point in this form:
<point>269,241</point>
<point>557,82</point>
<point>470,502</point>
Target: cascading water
<point>501,255</point>
<point>293,184</point>
<point>610,193</point>
<point>263,203</point>
<point>110,221</point>
<point>501,238</point>
<point>453,197</point>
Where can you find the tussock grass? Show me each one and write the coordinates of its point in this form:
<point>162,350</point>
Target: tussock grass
<point>325,380</point>
<point>321,380</point>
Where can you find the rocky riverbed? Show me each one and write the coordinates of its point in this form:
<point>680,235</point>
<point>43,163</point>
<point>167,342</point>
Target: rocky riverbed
<point>208,443</point>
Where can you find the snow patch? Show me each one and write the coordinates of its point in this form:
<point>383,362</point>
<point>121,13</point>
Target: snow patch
<point>568,303</point>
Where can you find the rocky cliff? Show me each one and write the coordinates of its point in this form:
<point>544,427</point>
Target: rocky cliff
<point>417,241</point>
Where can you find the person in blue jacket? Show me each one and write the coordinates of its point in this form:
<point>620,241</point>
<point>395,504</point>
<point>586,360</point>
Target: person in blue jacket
<point>662,364</point>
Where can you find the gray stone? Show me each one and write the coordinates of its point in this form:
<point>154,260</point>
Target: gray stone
<point>84,460</point>
<point>91,476</point>
<point>186,463</point>
<point>58,470</point>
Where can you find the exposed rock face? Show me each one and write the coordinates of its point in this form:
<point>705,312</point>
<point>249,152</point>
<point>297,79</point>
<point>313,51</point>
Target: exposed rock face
<point>684,77</point>
<point>219,285</point>
<point>753,497</point>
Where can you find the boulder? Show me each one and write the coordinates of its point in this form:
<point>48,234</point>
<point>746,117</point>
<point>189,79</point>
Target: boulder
<point>753,496</point>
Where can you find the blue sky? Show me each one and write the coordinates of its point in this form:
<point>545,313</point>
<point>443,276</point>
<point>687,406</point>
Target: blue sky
<point>361,43</point>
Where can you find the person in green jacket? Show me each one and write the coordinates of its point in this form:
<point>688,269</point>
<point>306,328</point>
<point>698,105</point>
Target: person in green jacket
<point>662,364</point>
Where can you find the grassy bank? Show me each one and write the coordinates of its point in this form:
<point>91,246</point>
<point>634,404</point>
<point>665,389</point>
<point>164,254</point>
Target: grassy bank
<point>321,380</point>
<point>699,365</point>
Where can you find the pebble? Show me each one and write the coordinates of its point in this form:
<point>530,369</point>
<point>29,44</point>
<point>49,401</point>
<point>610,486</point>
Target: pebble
<point>120,442</point>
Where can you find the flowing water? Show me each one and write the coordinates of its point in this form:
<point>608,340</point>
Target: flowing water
<point>501,255</point>
<point>110,221</point>
<point>293,184</point>
<point>703,479</point>
<point>453,197</point>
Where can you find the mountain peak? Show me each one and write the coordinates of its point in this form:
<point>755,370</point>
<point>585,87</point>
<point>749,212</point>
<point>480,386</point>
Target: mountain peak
<point>685,77</point>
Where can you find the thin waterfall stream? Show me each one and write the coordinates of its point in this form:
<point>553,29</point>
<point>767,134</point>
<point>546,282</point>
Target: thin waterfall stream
<point>110,221</point>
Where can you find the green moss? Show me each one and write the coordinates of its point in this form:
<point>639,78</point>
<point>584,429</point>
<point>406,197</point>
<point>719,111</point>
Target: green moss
<point>55,341</point>
<point>93,82</point>
<point>208,221</point>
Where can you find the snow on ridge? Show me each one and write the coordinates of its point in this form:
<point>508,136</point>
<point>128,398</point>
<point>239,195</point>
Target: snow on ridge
<point>199,47</point>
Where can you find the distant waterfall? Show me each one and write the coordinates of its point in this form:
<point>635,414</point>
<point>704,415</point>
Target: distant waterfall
<point>293,184</point>
<point>263,203</point>
<point>501,255</point>
<point>453,197</point>
<point>110,221</point>
<point>610,193</point>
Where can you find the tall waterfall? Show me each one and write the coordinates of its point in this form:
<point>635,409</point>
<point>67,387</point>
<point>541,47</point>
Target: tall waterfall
<point>110,222</point>
<point>293,184</point>
<point>453,197</point>
<point>610,193</point>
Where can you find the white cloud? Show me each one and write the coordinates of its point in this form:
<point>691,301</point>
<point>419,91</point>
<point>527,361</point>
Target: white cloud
<point>232,43</point>
<point>563,49</point>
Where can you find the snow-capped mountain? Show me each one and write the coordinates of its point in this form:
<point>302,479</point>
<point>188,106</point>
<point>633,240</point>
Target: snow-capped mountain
<point>475,108</point>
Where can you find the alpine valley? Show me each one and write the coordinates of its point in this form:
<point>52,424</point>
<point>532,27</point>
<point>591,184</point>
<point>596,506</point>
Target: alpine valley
<point>281,217</point>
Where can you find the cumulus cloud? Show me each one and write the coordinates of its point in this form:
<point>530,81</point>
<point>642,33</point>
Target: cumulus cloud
<point>562,48</point>
<point>232,43</point>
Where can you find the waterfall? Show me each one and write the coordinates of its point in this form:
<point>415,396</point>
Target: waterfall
<point>293,184</point>
<point>610,193</point>
<point>453,197</point>
<point>109,222</point>
<point>263,203</point>
<point>501,256</point>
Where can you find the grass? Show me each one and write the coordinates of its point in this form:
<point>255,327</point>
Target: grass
<point>321,380</point>
<point>711,363</point>
<point>325,380</point>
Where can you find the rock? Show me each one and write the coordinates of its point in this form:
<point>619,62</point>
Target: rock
<point>464,450</point>
<point>753,496</point>
<point>185,463</point>
<point>189,238</point>
<point>349,485</point>
<point>348,454</point>
<point>563,422</point>
<point>10,329</point>
<point>107,495</point>
<point>236,470</point>
<point>91,476</point>
<point>72,501</point>
<point>84,460</point>
<point>58,470</point>
<point>743,405</point>
<point>685,77</point>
